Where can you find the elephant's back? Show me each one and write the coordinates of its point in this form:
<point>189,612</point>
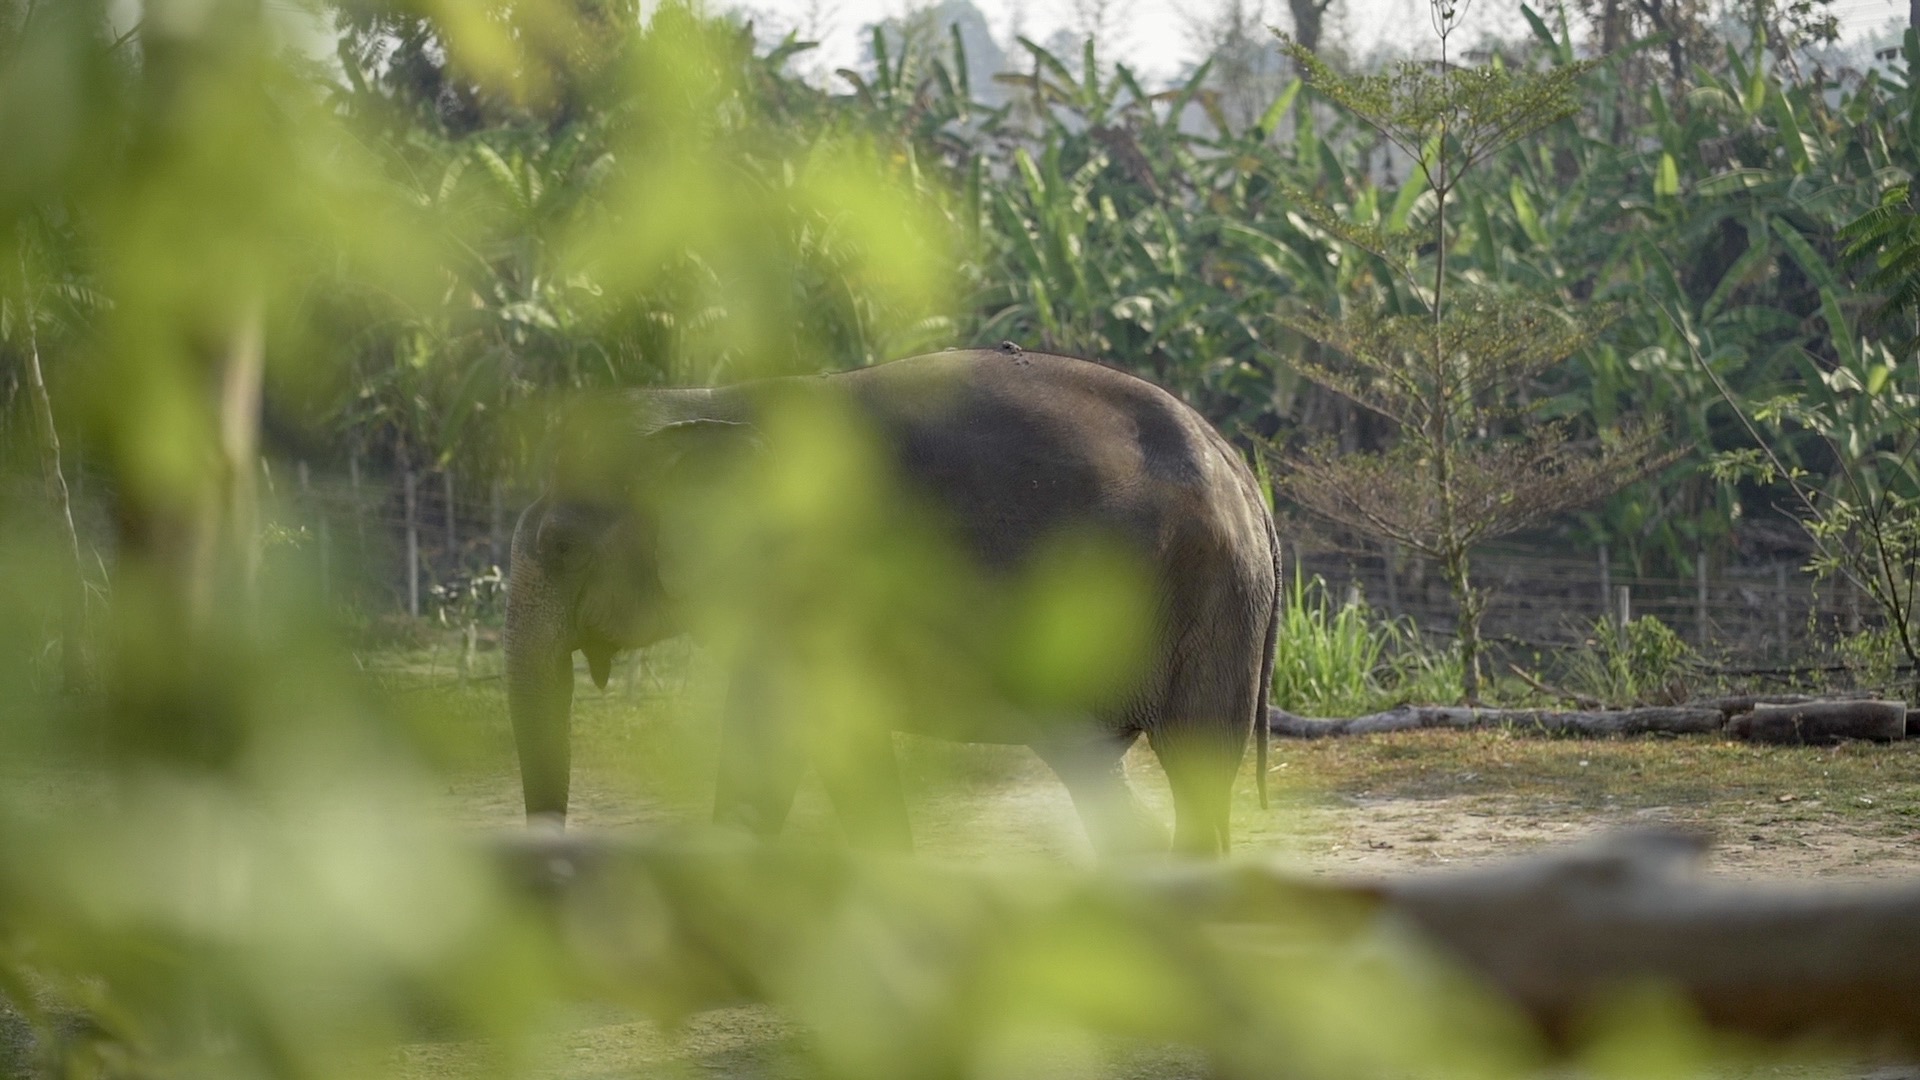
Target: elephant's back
<point>1020,444</point>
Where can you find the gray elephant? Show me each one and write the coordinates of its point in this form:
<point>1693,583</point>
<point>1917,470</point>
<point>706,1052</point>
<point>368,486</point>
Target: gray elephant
<point>1008,448</point>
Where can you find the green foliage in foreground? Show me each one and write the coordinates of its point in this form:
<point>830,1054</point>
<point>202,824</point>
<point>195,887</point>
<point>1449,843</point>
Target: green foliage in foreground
<point>225,851</point>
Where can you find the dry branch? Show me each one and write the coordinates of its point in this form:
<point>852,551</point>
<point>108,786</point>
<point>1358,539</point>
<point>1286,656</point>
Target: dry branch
<point>1554,934</point>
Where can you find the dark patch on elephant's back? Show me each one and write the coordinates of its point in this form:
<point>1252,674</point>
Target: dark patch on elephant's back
<point>973,457</point>
<point>979,435</point>
<point>1168,447</point>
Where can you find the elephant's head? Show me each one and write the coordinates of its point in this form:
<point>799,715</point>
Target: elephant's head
<point>587,574</point>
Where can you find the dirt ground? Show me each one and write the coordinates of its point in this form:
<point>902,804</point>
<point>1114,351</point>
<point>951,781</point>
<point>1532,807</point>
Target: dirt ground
<point>1374,806</point>
<point>1337,810</point>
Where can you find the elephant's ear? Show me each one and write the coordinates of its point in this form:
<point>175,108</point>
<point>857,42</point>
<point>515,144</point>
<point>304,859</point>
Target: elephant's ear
<point>677,449</point>
<point>689,462</point>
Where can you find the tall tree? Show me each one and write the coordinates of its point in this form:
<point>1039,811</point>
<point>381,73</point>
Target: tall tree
<point>1469,464</point>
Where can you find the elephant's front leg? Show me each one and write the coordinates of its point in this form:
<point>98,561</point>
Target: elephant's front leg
<point>862,776</point>
<point>761,756</point>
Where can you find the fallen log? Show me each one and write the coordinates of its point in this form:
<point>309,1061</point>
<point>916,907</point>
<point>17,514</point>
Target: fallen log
<point>1821,722</point>
<point>1665,720</point>
<point>1802,721</point>
<point>1746,703</point>
<point>1553,935</point>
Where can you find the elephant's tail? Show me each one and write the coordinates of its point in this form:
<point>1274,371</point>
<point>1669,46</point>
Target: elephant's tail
<point>1261,727</point>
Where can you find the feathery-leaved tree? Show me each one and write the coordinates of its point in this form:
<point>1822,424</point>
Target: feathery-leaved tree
<point>1450,371</point>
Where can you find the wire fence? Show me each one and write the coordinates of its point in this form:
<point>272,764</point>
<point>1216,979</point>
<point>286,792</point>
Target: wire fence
<point>432,542</point>
<point>1743,616</point>
<point>411,542</point>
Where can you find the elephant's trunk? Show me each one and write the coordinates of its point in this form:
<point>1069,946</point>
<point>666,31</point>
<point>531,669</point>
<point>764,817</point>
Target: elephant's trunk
<point>539,656</point>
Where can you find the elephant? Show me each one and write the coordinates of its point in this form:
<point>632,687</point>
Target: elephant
<point>1010,447</point>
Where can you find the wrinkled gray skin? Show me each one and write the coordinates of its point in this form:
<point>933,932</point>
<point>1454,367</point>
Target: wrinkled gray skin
<point>1014,446</point>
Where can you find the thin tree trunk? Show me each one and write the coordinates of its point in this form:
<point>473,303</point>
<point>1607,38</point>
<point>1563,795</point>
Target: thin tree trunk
<point>1309,16</point>
<point>1473,605</point>
<point>230,518</point>
<point>73,648</point>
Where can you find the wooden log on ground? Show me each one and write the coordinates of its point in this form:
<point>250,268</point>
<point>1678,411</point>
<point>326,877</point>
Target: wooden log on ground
<point>1746,703</point>
<point>1664,720</point>
<point>1555,934</point>
<point>1822,722</point>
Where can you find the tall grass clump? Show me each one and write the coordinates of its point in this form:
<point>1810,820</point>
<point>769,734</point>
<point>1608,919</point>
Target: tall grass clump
<point>1344,658</point>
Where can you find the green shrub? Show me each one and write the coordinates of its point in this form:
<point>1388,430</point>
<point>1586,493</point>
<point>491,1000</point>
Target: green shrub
<point>1641,662</point>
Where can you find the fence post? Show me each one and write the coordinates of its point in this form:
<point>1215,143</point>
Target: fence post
<point>409,484</point>
<point>453,529</point>
<point>1623,614</point>
<point>1606,584</point>
<point>1393,587</point>
<point>359,508</point>
<point>319,512</point>
<point>493,526</point>
<point>1700,599</point>
<point>1780,598</point>
<point>469,649</point>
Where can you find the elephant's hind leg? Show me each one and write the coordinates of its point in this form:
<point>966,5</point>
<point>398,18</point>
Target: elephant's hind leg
<point>1091,768</point>
<point>1201,761</point>
<point>1200,726</point>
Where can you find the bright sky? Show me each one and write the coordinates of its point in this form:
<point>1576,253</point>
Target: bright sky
<point>1156,37</point>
